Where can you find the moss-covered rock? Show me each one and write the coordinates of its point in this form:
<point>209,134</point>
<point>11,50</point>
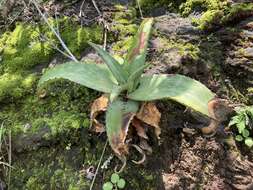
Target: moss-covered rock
<point>124,26</point>
<point>216,13</point>
<point>149,5</point>
<point>201,5</point>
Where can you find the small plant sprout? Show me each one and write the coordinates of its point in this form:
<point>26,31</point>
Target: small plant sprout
<point>115,183</point>
<point>128,93</point>
<point>243,121</point>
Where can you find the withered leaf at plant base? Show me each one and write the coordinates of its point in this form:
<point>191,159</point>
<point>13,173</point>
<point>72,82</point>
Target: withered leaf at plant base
<point>150,115</point>
<point>219,111</point>
<point>98,106</point>
<point>118,118</point>
<point>145,146</point>
<point>140,129</point>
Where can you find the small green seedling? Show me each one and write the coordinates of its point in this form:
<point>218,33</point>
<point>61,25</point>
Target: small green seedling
<point>115,183</point>
<point>127,87</point>
<point>243,121</point>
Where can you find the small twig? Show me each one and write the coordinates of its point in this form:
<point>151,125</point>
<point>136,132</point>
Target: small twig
<point>98,166</point>
<point>81,8</point>
<point>105,38</point>
<point>96,7</point>
<point>6,164</point>
<point>54,31</point>
<point>1,134</point>
<point>44,38</point>
<point>139,7</point>
<point>57,23</point>
<point>9,159</point>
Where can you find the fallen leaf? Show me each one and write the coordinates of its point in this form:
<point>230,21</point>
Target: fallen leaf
<point>136,123</point>
<point>145,146</point>
<point>150,115</point>
<point>141,152</point>
<point>98,106</point>
<point>219,111</point>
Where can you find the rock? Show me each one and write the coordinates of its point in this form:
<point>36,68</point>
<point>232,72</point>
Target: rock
<point>239,51</point>
<point>176,27</point>
<point>248,52</point>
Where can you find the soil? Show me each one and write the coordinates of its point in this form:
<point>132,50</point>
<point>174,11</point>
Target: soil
<point>183,158</point>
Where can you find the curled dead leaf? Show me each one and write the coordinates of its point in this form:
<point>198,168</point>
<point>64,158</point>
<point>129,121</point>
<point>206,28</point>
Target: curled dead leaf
<point>42,93</point>
<point>123,160</point>
<point>219,110</point>
<point>98,106</point>
<point>150,115</point>
<point>141,152</point>
<point>145,146</point>
<point>118,141</point>
<point>139,128</point>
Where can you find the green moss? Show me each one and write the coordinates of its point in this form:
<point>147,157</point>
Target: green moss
<point>236,11</point>
<point>209,19</point>
<point>216,13</point>
<point>184,48</point>
<point>124,28</point>
<point>13,86</point>
<point>191,5</point>
<point>76,37</point>
<point>24,48</point>
<point>49,169</point>
<point>170,5</point>
<point>64,109</point>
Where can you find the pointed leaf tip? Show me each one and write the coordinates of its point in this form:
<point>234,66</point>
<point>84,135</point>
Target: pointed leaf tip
<point>117,70</point>
<point>182,89</point>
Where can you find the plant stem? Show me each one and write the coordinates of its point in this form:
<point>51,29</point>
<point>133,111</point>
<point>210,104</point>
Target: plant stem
<point>54,31</point>
<point>139,7</point>
<point>98,166</point>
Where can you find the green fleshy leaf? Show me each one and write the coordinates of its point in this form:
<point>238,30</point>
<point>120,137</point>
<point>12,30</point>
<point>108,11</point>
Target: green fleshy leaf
<point>137,53</point>
<point>240,126</point>
<point>249,142</point>
<point>133,79</point>
<point>94,76</point>
<point>245,133</point>
<point>108,186</point>
<point>118,117</point>
<point>115,178</point>
<point>121,183</point>
<point>117,70</point>
<point>182,89</point>
<point>238,138</point>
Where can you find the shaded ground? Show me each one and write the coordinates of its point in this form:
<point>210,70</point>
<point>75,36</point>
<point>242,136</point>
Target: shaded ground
<point>51,145</point>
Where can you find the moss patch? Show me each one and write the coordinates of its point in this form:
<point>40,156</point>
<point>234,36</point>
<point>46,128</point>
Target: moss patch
<point>16,85</point>
<point>124,27</point>
<point>171,5</point>
<point>216,13</point>
<point>29,45</point>
<point>201,5</point>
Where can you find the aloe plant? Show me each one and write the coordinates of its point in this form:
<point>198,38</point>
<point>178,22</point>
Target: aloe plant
<point>127,86</point>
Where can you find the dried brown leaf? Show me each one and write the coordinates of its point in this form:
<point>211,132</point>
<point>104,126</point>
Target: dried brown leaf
<point>140,129</point>
<point>141,152</point>
<point>118,141</point>
<point>98,106</point>
<point>219,111</point>
<point>145,146</point>
<point>150,115</point>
